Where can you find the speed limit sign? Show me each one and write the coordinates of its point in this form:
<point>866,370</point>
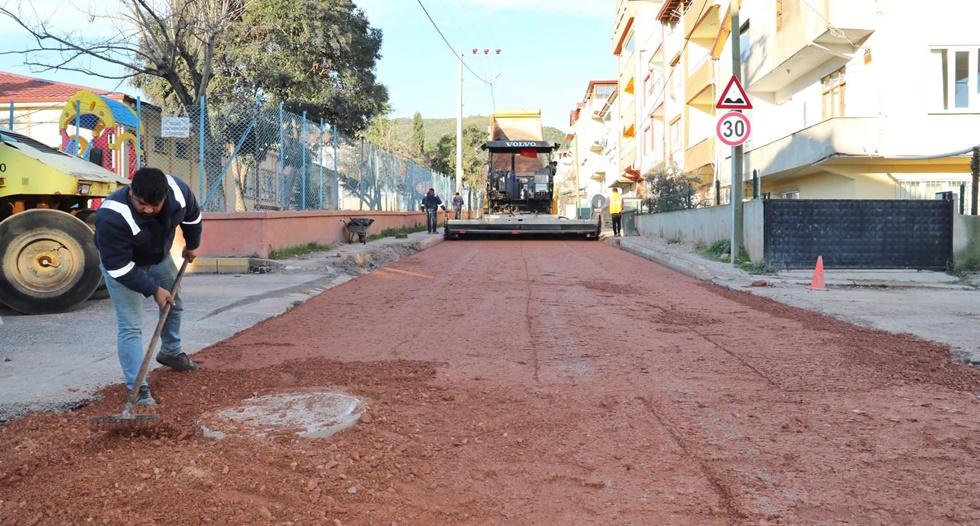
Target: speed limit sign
<point>733,128</point>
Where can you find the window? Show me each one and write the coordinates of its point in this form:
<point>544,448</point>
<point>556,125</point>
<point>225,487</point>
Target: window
<point>744,43</point>
<point>789,194</point>
<point>656,82</point>
<point>956,71</point>
<point>833,94</point>
<point>160,145</point>
<point>180,149</point>
<point>673,79</point>
<point>675,136</point>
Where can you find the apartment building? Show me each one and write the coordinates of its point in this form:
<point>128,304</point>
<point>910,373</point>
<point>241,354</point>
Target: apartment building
<point>590,164</point>
<point>635,25</point>
<point>852,99</point>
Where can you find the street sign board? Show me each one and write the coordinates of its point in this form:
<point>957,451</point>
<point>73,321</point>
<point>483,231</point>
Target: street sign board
<point>733,128</point>
<point>734,97</point>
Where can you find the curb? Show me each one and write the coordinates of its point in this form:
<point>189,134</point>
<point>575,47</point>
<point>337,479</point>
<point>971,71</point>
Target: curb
<point>681,265</point>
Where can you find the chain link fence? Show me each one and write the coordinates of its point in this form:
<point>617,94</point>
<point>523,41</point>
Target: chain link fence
<point>260,158</point>
<point>237,158</point>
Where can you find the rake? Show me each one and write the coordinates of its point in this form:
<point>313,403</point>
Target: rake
<point>127,419</point>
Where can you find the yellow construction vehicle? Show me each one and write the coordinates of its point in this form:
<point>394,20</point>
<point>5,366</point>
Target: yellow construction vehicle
<point>48,260</point>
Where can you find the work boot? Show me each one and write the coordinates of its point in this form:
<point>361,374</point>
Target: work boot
<point>177,362</point>
<point>144,398</point>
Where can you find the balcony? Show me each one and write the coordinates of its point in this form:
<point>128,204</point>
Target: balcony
<point>700,155</point>
<point>627,115</point>
<point>701,20</point>
<point>838,137</point>
<point>628,153</point>
<point>806,42</point>
<point>697,88</point>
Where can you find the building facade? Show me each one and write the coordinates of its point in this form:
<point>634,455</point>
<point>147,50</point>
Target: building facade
<point>851,99</point>
<point>590,163</point>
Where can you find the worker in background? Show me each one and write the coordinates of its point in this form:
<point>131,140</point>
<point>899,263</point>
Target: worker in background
<point>134,231</point>
<point>616,211</point>
<point>431,202</point>
<point>458,205</point>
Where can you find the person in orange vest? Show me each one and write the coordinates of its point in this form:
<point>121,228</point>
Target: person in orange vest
<point>616,211</point>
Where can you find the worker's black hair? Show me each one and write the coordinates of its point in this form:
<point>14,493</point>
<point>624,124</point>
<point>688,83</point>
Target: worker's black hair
<point>150,185</point>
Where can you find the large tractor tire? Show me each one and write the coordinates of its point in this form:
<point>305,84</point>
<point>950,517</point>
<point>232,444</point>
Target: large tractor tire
<point>48,262</point>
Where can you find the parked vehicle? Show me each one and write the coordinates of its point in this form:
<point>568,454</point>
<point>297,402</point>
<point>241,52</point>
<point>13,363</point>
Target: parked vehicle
<point>48,259</point>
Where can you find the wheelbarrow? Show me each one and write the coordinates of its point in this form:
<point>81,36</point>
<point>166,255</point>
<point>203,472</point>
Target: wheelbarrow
<point>357,228</point>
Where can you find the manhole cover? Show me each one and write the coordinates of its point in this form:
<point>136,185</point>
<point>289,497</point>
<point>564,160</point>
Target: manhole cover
<point>309,415</point>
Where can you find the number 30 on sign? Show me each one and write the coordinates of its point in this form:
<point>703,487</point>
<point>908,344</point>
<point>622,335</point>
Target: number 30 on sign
<point>733,128</point>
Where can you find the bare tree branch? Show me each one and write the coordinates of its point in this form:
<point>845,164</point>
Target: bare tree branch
<point>173,40</point>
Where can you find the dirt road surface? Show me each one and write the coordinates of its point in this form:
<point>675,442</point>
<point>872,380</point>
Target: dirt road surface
<point>531,382</point>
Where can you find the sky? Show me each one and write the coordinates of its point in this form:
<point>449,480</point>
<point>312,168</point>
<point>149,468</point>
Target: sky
<point>549,51</point>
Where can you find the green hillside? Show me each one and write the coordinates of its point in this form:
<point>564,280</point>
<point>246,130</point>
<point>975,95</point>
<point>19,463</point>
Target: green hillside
<point>436,128</point>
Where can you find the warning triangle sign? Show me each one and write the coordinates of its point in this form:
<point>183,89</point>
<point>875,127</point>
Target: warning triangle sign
<point>734,97</point>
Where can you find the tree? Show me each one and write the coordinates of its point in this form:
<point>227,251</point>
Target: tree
<point>669,189</point>
<point>174,42</point>
<point>443,159</point>
<point>416,141</point>
<point>316,56</point>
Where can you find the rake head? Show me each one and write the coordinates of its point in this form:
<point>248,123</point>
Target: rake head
<point>124,421</point>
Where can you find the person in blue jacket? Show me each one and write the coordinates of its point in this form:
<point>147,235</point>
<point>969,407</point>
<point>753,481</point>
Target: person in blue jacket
<point>134,232</point>
<point>431,203</point>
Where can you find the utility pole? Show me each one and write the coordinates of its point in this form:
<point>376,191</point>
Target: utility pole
<point>459,129</point>
<point>737,150</point>
<point>459,118</point>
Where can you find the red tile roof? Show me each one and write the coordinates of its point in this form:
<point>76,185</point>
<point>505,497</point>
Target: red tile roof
<point>18,88</point>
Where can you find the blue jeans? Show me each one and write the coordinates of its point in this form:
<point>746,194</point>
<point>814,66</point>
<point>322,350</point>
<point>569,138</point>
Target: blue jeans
<point>128,305</point>
<point>431,221</point>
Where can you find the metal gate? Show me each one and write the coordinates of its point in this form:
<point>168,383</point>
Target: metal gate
<point>859,234</point>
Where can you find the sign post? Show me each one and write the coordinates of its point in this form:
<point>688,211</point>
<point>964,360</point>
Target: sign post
<point>730,130</point>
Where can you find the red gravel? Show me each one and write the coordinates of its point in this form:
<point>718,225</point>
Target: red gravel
<point>532,382</point>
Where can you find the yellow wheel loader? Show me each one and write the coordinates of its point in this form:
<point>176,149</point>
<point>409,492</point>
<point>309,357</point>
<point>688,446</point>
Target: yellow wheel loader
<point>48,260</point>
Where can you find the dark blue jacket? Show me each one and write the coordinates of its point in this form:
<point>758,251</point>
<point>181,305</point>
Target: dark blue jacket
<point>431,202</point>
<point>127,240</point>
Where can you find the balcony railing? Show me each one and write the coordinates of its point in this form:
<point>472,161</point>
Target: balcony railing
<point>701,20</point>
<point>697,87</point>
<point>701,154</point>
<point>825,32</point>
<point>840,136</point>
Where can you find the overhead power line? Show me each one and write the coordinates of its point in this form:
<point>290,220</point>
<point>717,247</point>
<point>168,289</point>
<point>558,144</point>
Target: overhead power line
<point>450,46</point>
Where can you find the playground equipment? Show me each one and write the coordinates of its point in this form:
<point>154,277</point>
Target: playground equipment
<point>114,126</point>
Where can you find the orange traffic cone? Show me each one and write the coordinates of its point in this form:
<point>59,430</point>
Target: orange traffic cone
<point>817,283</point>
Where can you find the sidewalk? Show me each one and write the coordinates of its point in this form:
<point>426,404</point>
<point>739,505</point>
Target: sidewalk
<point>931,305</point>
<point>686,259</point>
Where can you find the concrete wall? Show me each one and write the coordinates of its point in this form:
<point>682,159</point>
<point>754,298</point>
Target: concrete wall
<point>966,239</point>
<point>705,226</point>
<point>257,234</point>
